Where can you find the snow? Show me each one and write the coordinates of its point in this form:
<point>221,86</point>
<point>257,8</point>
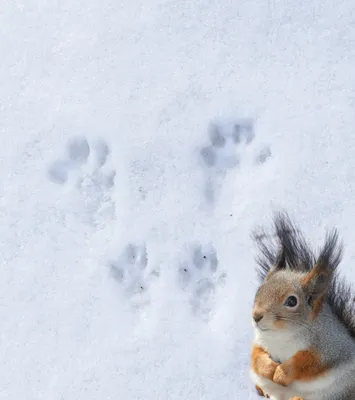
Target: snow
<point>141,143</point>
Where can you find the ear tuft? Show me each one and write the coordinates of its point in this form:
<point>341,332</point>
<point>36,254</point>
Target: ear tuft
<point>332,251</point>
<point>280,262</point>
<point>318,280</point>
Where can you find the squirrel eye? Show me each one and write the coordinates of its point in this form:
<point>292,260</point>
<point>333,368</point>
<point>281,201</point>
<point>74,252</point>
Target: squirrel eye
<point>291,301</point>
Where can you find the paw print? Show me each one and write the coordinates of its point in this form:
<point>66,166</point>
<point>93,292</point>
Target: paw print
<point>133,274</point>
<point>224,141</point>
<point>199,277</point>
<point>227,148</point>
<point>85,168</point>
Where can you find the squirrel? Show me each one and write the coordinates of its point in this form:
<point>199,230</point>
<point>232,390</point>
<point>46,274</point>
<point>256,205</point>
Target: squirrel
<point>303,317</point>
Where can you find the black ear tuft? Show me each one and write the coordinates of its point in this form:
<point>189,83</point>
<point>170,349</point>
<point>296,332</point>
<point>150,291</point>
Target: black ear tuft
<point>331,253</point>
<point>295,252</point>
<point>318,281</point>
<point>280,262</point>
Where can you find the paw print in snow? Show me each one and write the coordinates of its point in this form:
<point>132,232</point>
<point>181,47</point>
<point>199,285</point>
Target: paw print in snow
<point>228,147</point>
<point>78,151</point>
<point>85,168</point>
<point>132,272</point>
<point>221,152</point>
<point>199,277</point>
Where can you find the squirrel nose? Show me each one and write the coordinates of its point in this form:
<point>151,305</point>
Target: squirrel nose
<point>257,317</point>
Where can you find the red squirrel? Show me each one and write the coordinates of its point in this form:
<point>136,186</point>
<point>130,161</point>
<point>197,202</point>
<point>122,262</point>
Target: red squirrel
<point>303,317</point>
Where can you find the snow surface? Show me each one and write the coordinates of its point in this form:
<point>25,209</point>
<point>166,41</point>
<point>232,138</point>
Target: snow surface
<point>141,141</point>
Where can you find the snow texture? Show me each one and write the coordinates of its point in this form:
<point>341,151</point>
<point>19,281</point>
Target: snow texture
<point>141,141</point>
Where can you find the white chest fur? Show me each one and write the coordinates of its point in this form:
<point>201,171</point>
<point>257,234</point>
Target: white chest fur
<point>281,345</point>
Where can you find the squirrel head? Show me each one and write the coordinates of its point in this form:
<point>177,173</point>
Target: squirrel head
<point>288,299</point>
<point>295,285</point>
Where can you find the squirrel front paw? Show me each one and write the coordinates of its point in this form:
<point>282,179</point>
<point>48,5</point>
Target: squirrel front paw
<point>281,377</point>
<point>268,369</point>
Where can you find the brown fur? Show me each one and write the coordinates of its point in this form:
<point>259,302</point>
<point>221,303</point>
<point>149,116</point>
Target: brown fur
<point>317,307</point>
<point>305,365</point>
<point>262,364</point>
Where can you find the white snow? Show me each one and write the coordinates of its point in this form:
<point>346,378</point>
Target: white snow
<point>127,196</point>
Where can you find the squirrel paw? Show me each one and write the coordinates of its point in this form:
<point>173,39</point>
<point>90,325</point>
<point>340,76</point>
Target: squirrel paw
<point>280,377</point>
<point>261,393</point>
<point>268,368</point>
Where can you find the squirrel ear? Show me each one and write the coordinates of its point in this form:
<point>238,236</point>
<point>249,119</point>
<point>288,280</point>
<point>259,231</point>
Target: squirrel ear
<point>317,281</point>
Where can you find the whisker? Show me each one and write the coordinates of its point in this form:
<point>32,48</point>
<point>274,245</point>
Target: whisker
<point>296,322</point>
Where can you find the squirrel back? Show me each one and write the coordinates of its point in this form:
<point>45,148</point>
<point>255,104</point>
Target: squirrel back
<point>303,317</point>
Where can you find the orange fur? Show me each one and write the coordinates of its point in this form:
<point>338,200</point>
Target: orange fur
<point>305,365</point>
<point>307,279</point>
<point>317,307</point>
<point>261,392</point>
<point>262,364</point>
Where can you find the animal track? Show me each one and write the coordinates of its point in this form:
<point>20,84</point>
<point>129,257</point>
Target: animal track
<point>85,167</point>
<point>228,146</point>
<point>132,272</point>
<point>199,277</point>
<point>221,151</point>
